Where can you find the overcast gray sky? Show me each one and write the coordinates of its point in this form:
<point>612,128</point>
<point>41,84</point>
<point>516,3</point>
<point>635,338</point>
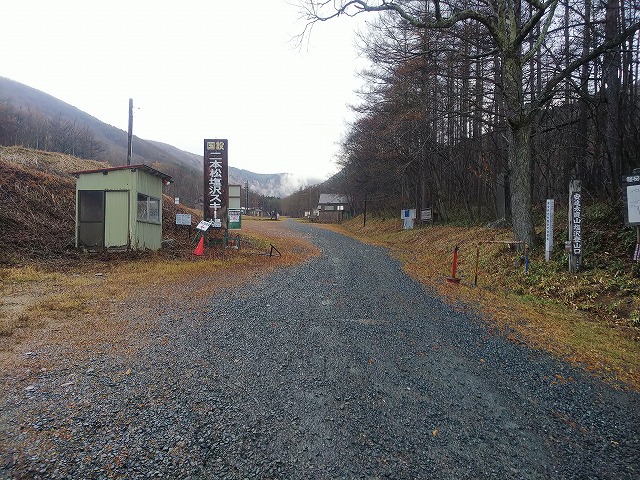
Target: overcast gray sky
<point>195,70</point>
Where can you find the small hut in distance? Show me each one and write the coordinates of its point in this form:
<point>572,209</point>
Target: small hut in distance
<point>333,208</point>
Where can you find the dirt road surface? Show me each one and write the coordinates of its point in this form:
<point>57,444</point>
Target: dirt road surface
<point>341,367</point>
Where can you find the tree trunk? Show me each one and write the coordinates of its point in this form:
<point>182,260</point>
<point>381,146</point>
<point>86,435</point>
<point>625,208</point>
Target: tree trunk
<point>520,126</point>
<point>611,79</point>
<point>520,182</point>
<point>582,158</point>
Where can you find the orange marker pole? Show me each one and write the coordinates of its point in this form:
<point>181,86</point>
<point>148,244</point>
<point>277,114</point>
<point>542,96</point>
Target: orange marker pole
<point>454,266</point>
<point>475,280</point>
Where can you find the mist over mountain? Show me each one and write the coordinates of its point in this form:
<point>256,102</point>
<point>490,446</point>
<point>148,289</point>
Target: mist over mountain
<point>35,119</point>
<point>268,184</point>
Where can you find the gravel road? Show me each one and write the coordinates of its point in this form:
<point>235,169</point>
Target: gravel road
<point>342,367</point>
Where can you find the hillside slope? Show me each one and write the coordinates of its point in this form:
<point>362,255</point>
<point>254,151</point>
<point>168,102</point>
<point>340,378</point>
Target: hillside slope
<point>37,204</point>
<point>21,105</point>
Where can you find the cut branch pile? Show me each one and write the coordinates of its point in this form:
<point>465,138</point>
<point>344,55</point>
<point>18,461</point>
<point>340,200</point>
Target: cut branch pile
<point>180,235</point>
<point>51,162</point>
<point>37,213</point>
<point>37,206</point>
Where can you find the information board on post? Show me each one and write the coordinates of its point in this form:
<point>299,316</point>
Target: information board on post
<point>235,219</point>
<point>632,199</point>
<point>203,225</point>
<point>183,219</point>
<point>408,215</point>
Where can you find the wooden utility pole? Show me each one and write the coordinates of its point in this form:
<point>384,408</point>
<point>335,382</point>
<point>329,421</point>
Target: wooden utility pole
<point>129,137</point>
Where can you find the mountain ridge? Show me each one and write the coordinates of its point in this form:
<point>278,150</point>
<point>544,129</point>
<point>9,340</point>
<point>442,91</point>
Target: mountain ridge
<point>37,111</point>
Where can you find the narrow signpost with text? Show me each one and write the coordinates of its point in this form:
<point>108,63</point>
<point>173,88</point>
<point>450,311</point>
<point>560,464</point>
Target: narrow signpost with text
<point>216,168</point>
<point>574,247</point>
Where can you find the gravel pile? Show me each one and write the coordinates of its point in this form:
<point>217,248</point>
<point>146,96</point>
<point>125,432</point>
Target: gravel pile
<point>339,368</point>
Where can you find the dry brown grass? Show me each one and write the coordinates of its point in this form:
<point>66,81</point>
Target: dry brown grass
<point>89,306</point>
<point>37,203</point>
<point>47,161</point>
<point>581,336</point>
<point>52,295</point>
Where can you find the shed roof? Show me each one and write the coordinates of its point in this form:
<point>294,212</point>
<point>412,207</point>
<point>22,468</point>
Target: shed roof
<point>145,168</point>
<point>333,198</point>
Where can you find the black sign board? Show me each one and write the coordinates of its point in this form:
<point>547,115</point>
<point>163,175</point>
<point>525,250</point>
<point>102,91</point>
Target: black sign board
<point>216,181</point>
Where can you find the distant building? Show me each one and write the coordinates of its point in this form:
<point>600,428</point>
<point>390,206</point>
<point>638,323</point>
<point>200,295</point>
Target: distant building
<point>333,208</point>
<point>119,208</point>
<point>254,212</point>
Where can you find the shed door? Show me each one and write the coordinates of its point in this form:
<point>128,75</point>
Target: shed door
<point>91,218</point>
<point>116,219</point>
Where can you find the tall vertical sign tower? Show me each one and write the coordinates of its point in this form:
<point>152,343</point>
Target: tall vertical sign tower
<point>216,181</point>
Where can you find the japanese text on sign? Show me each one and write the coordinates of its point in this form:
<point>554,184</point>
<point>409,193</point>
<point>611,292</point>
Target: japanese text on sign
<point>549,228</point>
<point>576,224</point>
<point>215,182</point>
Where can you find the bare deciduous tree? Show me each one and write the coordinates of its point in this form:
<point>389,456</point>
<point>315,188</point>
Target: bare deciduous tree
<point>518,31</point>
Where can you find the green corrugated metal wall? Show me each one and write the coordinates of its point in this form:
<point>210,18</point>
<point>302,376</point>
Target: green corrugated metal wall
<point>122,227</point>
<point>116,221</point>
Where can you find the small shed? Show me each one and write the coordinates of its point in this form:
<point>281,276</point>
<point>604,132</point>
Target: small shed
<point>120,208</point>
<point>333,208</point>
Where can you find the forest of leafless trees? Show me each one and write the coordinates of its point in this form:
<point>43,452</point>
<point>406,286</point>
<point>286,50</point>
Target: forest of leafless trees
<point>463,96</point>
<point>34,129</point>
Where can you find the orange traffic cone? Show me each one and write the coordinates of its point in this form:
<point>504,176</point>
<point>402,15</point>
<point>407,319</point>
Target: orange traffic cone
<point>200,248</point>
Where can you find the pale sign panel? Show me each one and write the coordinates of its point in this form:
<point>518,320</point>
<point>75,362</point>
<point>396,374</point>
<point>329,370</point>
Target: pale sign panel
<point>633,204</point>
<point>183,219</point>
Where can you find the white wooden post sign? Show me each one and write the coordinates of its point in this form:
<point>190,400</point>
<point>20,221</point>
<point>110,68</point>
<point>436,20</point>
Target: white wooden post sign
<point>549,230</point>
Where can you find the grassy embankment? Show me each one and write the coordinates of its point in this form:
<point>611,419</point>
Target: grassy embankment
<point>591,318</point>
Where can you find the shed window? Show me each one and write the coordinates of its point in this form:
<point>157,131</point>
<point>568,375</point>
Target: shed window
<point>329,207</point>
<point>148,208</point>
<point>91,205</point>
